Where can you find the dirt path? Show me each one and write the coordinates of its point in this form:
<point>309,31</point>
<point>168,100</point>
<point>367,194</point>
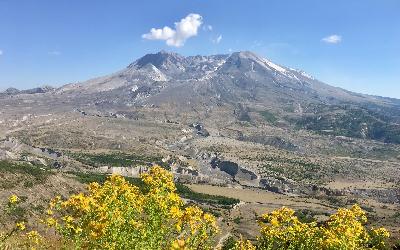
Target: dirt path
<point>222,240</point>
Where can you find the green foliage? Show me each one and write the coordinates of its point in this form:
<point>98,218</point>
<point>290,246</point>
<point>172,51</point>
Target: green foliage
<point>305,215</point>
<point>17,212</point>
<point>229,243</point>
<point>351,122</point>
<point>397,214</point>
<point>28,184</point>
<point>268,116</point>
<point>213,211</point>
<point>298,169</point>
<point>117,159</point>
<point>187,193</point>
<point>38,173</point>
<point>237,220</point>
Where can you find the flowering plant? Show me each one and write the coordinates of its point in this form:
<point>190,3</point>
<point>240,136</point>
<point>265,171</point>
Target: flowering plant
<point>345,229</point>
<point>119,215</point>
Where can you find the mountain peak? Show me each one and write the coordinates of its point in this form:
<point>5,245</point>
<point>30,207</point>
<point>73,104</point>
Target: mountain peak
<point>160,60</point>
<point>166,52</point>
<point>246,54</point>
<point>245,60</point>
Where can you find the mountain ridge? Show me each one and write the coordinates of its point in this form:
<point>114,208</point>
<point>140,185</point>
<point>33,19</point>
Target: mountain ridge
<point>163,53</point>
<point>174,67</point>
<point>244,85</point>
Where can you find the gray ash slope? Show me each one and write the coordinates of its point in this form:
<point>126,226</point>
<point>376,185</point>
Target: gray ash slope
<point>243,76</point>
<point>245,84</point>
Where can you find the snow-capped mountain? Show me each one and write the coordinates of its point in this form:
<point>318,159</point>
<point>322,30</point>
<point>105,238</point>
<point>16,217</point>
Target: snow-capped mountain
<point>233,76</point>
<point>240,83</point>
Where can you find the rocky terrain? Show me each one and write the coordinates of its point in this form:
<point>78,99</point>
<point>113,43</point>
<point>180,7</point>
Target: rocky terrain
<point>235,121</point>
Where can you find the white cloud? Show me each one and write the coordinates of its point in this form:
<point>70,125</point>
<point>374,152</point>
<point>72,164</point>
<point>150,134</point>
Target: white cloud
<point>217,40</point>
<point>332,39</point>
<point>54,53</point>
<point>1,52</point>
<point>208,28</point>
<point>184,29</point>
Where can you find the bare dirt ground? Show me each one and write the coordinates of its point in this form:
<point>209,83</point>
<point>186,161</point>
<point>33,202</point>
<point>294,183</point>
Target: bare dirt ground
<point>242,219</point>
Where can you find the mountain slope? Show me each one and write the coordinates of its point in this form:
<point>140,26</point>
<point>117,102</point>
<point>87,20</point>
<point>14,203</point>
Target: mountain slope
<point>248,82</point>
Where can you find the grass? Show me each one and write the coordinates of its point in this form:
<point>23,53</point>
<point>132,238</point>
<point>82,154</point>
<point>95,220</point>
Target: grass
<point>182,190</point>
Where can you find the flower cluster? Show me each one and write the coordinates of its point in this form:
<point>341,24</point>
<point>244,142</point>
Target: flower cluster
<point>31,239</point>
<point>119,215</point>
<point>281,229</point>
<point>13,199</point>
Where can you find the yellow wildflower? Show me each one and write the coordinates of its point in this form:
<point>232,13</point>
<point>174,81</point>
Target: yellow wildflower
<point>13,199</point>
<point>20,226</point>
<point>34,237</point>
<point>117,213</point>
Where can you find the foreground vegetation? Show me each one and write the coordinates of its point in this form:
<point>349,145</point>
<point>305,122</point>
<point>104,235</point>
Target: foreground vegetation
<point>119,215</point>
<point>181,189</point>
<point>281,229</point>
<point>149,214</point>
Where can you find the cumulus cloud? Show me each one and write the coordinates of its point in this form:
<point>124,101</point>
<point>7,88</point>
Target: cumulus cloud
<point>217,40</point>
<point>332,39</point>
<point>184,29</point>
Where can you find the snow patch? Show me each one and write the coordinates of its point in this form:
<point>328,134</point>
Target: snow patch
<point>303,73</point>
<point>134,88</point>
<point>307,75</point>
<point>275,66</point>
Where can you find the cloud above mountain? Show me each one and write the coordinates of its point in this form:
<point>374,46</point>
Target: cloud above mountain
<point>184,29</point>
<point>333,39</point>
<point>217,40</point>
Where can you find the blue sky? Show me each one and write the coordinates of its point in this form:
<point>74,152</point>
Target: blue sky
<point>350,44</point>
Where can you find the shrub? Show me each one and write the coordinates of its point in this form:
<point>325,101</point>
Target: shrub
<point>229,243</point>
<point>181,189</point>
<point>119,215</point>
<point>281,229</point>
